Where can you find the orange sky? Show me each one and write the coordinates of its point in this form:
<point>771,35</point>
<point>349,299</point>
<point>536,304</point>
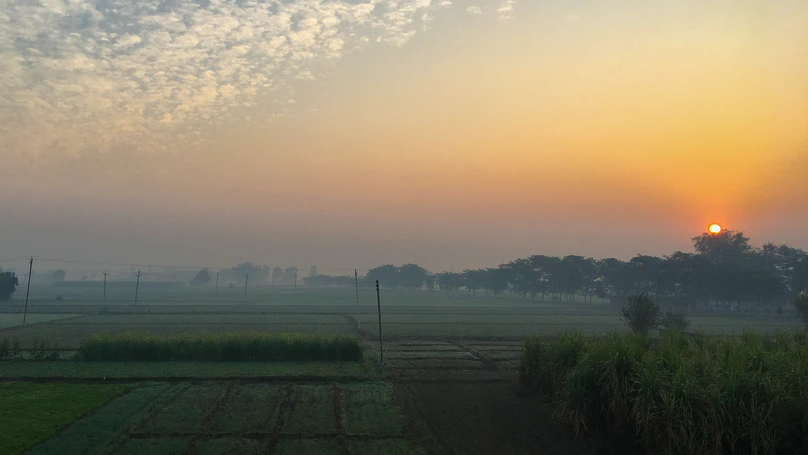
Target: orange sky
<point>598,128</point>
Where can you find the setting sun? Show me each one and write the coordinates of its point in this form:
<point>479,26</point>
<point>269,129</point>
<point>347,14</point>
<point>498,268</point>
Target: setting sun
<point>715,229</point>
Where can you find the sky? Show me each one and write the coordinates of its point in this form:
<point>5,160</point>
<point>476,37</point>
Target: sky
<point>353,133</point>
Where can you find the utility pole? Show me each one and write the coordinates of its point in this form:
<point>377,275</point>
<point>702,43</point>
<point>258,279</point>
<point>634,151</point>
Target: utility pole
<point>137,286</point>
<point>379,305</point>
<point>28,292</point>
<point>246,278</point>
<point>105,287</point>
<point>295,280</point>
<point>356,280</point>
<point>216,292</point>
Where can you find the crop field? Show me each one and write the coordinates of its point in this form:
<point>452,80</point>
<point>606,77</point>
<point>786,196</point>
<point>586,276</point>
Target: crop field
<point>448,382</point>
<point>235,417</point>
<point>405,315</point>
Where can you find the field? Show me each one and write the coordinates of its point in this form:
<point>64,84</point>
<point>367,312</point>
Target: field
<point>448,383</point>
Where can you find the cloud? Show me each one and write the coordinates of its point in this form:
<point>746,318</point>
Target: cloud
<point>505,9</point>
<point>476,10</point>
<point>84,77</point>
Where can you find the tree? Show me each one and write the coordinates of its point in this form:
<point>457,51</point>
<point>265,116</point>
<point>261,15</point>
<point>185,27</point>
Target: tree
<point>201,278</point>
<point>801,307</point>
<point>58,276</point>
<point>313,271</point>
<point>8,285</point>
<point>277,273</point>
<point>641,313</point>
<point>290,274</point>
<point>411,276</point>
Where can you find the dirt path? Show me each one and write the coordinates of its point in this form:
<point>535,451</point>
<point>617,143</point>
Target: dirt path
<point>484,418</point>
<point>459,400</point>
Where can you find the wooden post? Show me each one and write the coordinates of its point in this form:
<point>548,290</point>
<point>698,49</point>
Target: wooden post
<point>216,291</point>
<point>246,278</point>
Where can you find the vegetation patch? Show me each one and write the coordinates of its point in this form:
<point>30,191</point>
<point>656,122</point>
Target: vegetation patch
<point>184,414</point>
<point>30,413</point>
<point>102,428</point>
<point>235,346</point>
<point>252,408</point>
<point>312,411</point>
<point>367,408</point>
<point>308,447</point>
<point>387,447</point>
<point>679,394</point>
<point>337,371</point>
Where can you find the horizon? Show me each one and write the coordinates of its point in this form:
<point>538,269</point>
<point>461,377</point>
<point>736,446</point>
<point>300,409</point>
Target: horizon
<point>445,134</point>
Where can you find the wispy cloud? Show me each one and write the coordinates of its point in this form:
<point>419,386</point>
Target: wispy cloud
<point>86,76</point>
<point>474,10</point>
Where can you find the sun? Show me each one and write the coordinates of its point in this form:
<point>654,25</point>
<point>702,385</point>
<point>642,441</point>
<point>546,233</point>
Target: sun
<point>715,229</point>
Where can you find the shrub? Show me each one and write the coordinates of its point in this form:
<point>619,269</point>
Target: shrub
<point>685,395</point>
<point>641,313</point>
<point>44,349</point>
<point>5,348</point>
<point>236,346</point>
<point>801,307</point>
<point>675,320</point>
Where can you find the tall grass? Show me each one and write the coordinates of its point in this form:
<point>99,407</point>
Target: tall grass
<point>235,346</point>
<point>680,394</point>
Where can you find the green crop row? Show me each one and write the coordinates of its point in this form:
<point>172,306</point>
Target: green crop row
<point>41,349</point>
<point>679,394</point>
<point>232,347</point>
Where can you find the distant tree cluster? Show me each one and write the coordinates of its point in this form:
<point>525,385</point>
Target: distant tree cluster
<point>724,269</point>
<point>328,280</point>
<point>407,276</point>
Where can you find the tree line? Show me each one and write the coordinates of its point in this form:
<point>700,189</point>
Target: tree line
<point>723,269</point>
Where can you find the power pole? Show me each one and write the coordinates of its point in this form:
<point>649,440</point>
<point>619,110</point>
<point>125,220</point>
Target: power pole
<point>216,292</point>
<point>356,280</point>
<point>379,305</point>
<point>28,292</point>
<point>246,278</point>
<point>137,286</point>
<point>105,287</point>
<point>295,280</point>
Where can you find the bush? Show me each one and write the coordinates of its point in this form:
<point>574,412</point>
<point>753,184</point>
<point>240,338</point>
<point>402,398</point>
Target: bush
<point>684,395</point>
<point>9,348</point>
<point>801,307</point>
<point>675,320</point>
<point>641,313</point>
<point>236,346</point>
<point>44,349</point>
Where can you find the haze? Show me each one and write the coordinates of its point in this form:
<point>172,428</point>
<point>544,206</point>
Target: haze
<point>352,134</point>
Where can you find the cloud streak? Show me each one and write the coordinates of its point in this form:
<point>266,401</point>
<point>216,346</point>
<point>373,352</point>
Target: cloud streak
<point>81,77</point>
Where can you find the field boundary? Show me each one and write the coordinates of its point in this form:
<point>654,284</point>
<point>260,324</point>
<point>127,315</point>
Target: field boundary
<point>191,379</point>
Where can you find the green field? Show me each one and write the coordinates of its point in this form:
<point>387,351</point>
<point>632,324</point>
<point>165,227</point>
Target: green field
<point>405,314</point>
<point>230,417</point>
<point>343,371</point>
<point>30,413</point>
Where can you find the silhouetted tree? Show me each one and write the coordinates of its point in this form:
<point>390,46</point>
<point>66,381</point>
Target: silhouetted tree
<point>58,276</point>
<point>201,278</point>
<point>8,285</point>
